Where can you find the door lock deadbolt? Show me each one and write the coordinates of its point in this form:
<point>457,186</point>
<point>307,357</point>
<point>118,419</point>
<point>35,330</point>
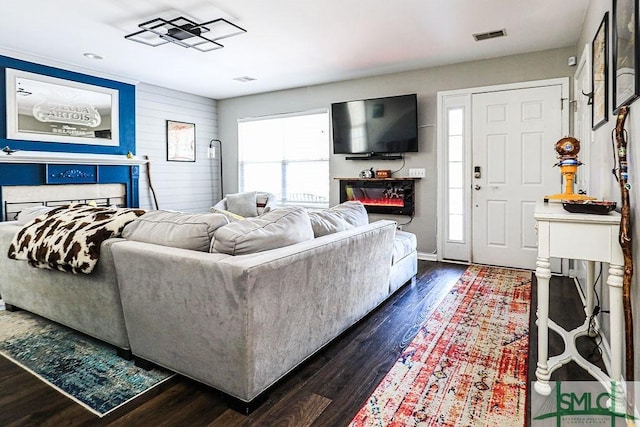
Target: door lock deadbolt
<point>476,172</point>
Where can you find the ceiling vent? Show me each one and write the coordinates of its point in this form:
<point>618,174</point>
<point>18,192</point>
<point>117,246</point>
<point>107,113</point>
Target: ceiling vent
<point>489,35</point>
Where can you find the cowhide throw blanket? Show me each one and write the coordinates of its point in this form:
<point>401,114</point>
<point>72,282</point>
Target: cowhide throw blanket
<point>68,238</point>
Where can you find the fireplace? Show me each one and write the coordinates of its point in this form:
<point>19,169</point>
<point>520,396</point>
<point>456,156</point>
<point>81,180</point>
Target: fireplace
<point>386,196</point>
<point>15,198</point>
<point>31,178</point>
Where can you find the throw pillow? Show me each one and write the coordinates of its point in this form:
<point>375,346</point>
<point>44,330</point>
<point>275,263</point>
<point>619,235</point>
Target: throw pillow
<point>243,204</point>
<point>275,229</point>
<point>175,229</point>
<point>230,215</point>
<point>263,201</point>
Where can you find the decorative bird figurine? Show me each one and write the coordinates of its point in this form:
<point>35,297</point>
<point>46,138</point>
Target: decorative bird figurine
<point>8,150</point>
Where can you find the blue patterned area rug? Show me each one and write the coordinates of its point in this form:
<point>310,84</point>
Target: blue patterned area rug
<point>84,369</point>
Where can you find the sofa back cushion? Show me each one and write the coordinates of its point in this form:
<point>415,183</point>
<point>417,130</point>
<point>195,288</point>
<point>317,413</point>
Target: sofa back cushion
<point>230,215</point>
<point>175,229</point>
<point>275,229</point>
<point>344,216</point>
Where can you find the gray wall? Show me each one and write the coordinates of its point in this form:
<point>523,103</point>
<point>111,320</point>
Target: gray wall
<point>184,186</point>
<point>602,184</point>
<point>426,83</point>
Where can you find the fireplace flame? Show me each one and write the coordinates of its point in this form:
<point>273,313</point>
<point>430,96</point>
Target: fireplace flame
<point>380,202</point>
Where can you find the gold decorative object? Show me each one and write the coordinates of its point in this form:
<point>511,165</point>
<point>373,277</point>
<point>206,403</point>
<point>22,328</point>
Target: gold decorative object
<point>568,149</point>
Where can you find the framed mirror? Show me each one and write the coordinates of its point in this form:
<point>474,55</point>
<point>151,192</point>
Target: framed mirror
<point>49,109</point>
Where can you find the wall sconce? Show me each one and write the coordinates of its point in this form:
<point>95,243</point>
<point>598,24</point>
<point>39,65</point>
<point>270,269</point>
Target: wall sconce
<point>211,153</point>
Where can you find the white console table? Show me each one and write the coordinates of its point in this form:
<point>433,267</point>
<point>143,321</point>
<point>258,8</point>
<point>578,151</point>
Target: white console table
<point>593,238</point>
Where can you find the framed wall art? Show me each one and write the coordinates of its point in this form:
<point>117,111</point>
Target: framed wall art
<point>599,74</point>
<point>625,52</point>
<point>50,109</point>
<point>181,141</point>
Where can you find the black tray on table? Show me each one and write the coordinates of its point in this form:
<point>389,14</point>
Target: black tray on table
<point>599,207</point>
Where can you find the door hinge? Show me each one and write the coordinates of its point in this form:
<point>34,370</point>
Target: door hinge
<point>575,105</point>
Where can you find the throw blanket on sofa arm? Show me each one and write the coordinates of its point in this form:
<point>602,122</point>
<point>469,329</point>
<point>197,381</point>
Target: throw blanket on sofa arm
<point>68,238</point>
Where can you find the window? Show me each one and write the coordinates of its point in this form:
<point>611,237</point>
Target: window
<point>455,181</point>
<point>288,156</point>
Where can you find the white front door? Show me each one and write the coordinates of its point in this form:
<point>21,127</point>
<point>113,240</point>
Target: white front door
<point>514,134</point>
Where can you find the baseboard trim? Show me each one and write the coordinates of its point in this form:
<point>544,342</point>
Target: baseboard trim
<point>427,257</point>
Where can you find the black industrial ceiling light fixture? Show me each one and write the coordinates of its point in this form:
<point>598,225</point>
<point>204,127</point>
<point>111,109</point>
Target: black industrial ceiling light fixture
<point>185,32</point>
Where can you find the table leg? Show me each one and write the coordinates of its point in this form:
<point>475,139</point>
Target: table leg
<point>588,308</point>
<point>614,281</point>
<point>543,274</point>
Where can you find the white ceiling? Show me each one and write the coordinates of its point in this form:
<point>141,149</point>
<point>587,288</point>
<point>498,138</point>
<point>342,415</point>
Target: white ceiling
<point>289,43</point>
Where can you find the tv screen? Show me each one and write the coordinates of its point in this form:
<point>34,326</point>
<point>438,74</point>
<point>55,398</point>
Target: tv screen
<point>379,125</point>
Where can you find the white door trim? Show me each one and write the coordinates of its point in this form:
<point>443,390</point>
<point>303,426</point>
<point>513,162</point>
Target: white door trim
<point>583,68</point>
<point>442,169</point>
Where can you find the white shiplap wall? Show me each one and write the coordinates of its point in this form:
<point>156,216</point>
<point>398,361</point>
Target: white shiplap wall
<point>182,186</point>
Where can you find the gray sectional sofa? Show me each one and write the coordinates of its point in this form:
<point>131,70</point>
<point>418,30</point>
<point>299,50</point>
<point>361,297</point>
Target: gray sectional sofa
<point>236,322</point>
<point>87,303</point>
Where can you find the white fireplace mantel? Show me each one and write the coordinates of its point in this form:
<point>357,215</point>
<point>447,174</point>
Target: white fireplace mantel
<point>48,157</point>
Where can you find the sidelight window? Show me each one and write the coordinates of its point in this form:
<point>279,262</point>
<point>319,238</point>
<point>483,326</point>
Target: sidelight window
<point>455,179</point>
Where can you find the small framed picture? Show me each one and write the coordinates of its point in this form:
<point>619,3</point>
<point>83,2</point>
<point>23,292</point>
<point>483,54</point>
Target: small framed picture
<point>600,71</point>
<point>181,141</point>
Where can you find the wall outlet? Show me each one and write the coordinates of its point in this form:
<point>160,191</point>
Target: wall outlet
<point>417,172</point>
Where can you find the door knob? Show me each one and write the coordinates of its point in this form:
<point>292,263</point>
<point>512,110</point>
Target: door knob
<point>476,187</point>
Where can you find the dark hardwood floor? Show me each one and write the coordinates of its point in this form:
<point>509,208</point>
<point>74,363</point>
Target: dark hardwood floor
<point>327,390</point>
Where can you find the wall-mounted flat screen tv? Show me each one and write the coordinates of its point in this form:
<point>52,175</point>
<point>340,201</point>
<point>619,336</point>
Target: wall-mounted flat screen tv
<point>375,126</point>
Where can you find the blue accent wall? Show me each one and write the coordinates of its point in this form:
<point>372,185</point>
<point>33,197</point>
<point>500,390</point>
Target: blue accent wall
<point>43,174</point>
<point>127,108</point>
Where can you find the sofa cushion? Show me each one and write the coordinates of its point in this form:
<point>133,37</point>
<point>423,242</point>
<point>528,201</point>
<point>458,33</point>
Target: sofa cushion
<point>275,229</point>
<point>230,215</point>
<point>243,204</point>
<point>344,216</point>
<point>28,214</point>
<point>353,212</point>
<point>175,229</point>
<point>404,243</point>
<point>327,222</point>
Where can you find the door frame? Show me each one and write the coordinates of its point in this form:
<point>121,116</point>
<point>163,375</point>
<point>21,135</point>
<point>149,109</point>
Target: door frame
<point>578,267</point>
<point>583,68</point>
<point>462,98</point>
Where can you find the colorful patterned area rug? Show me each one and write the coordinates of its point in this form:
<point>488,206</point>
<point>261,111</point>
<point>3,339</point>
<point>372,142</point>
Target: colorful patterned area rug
<point>467,366</point>
<point>82,368</point>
